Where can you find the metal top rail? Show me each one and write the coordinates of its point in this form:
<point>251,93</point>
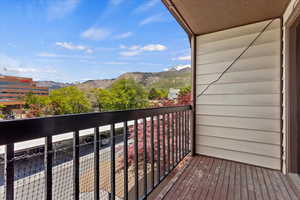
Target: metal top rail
<point>27,129</point>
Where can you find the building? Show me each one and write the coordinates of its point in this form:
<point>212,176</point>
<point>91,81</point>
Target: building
<point>12,88</point>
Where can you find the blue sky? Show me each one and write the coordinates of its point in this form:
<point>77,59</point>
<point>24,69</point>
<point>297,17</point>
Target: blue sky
<point>78,40</point>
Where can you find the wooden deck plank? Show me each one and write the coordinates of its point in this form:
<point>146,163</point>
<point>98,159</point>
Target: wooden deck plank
<point>212,178</point>
<point>225,184</point>
<point>200,185</point>
<point>269,185</point>
<point>262,184</point>
<point>209,181</point>
<point>194,179</point>
<point>217,194</point>
<point>237,192</point>
<point>257,186</point>
<point>251,191</point>
<point>191,179</point>
<point>244,187</point>
<point>231,186</point>
<point>275,185</point>
<point>213,186</point>
<point>288,187</point>
<point>186,179</point>
<point>277,180</point>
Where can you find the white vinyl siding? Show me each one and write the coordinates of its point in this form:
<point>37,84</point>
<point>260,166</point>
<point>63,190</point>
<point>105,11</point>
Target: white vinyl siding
<point>238,117</point>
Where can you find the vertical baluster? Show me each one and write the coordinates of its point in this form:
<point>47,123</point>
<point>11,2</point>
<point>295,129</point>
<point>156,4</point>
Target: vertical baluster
<point>185,132</point>
<point>176,136</point>
<point>145,156</point>
<point>96,163</point>
<point>173,139</point>
<point>136,160</point>
<point>168,142</point>
<point>152,152</point>
<point>189,130</point>
<point>76,165</point>
<point>164,144</point>
<point>182,135</point>
<point>179,135</point>
<point>9,172</point>
<point>158,149</point>
<point>125,132</point>
<point>48,167</point>
<point>112,161</point>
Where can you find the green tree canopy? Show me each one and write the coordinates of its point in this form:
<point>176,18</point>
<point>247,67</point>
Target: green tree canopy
<point>69,100</point>
<point>124,94</point>
<point>185,90</point>
<point>31,99</point>
<point>155,93</point>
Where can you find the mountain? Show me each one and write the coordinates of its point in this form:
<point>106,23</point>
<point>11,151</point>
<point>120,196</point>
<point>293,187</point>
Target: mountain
<point>52,84</point>
<point>95,84</point>
<point>175,77</point>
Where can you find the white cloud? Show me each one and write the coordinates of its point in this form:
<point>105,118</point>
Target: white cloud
<point>152,19</point>
<point>137,49</point>
<point>13,67</point>
<point>154,47</point>
<point>115,63</point>
<point>96,33</point>
<point>70,46</point>
<point>183,58</point>
<point>60,8</point>
<point>62,56</point>
<point>146,6</point>
<point>124,35</point>
<point>134,47</point>
<point>130,53</point>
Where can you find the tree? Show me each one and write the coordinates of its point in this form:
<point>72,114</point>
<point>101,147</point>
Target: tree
<point>2,111</point>
<point>185,90</point>
<point>124,94</point>
<point>155,94</point>
<point>32,99</point>
<point>104,100</point>
<point>69,100</point>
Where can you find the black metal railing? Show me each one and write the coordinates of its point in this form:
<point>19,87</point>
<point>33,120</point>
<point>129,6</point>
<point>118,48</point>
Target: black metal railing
<point>153,142</point>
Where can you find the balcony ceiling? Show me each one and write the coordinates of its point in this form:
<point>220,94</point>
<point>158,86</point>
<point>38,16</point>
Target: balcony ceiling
<point>206,16</point>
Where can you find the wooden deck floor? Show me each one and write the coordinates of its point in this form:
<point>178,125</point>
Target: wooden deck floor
<point>211,178</point>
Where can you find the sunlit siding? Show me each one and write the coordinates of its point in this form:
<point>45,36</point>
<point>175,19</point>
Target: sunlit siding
<point>238,117</point>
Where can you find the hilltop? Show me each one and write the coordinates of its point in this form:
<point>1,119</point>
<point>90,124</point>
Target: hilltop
<point>176,77</point>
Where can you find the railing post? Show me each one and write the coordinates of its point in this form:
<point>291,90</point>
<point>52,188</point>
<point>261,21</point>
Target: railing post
<point>173,140</point>
<point>145,156</point>
<point>96,164</point>
<point>76,186</point>
<point>9,172</point>
<point>125,132</point>
<point>48,167</point>
<point>164,144</point>
<point>168,142</point>
<point>113,161</point>
<point>152,153</point>
<point>136,160</point>
<point>158,149</point>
